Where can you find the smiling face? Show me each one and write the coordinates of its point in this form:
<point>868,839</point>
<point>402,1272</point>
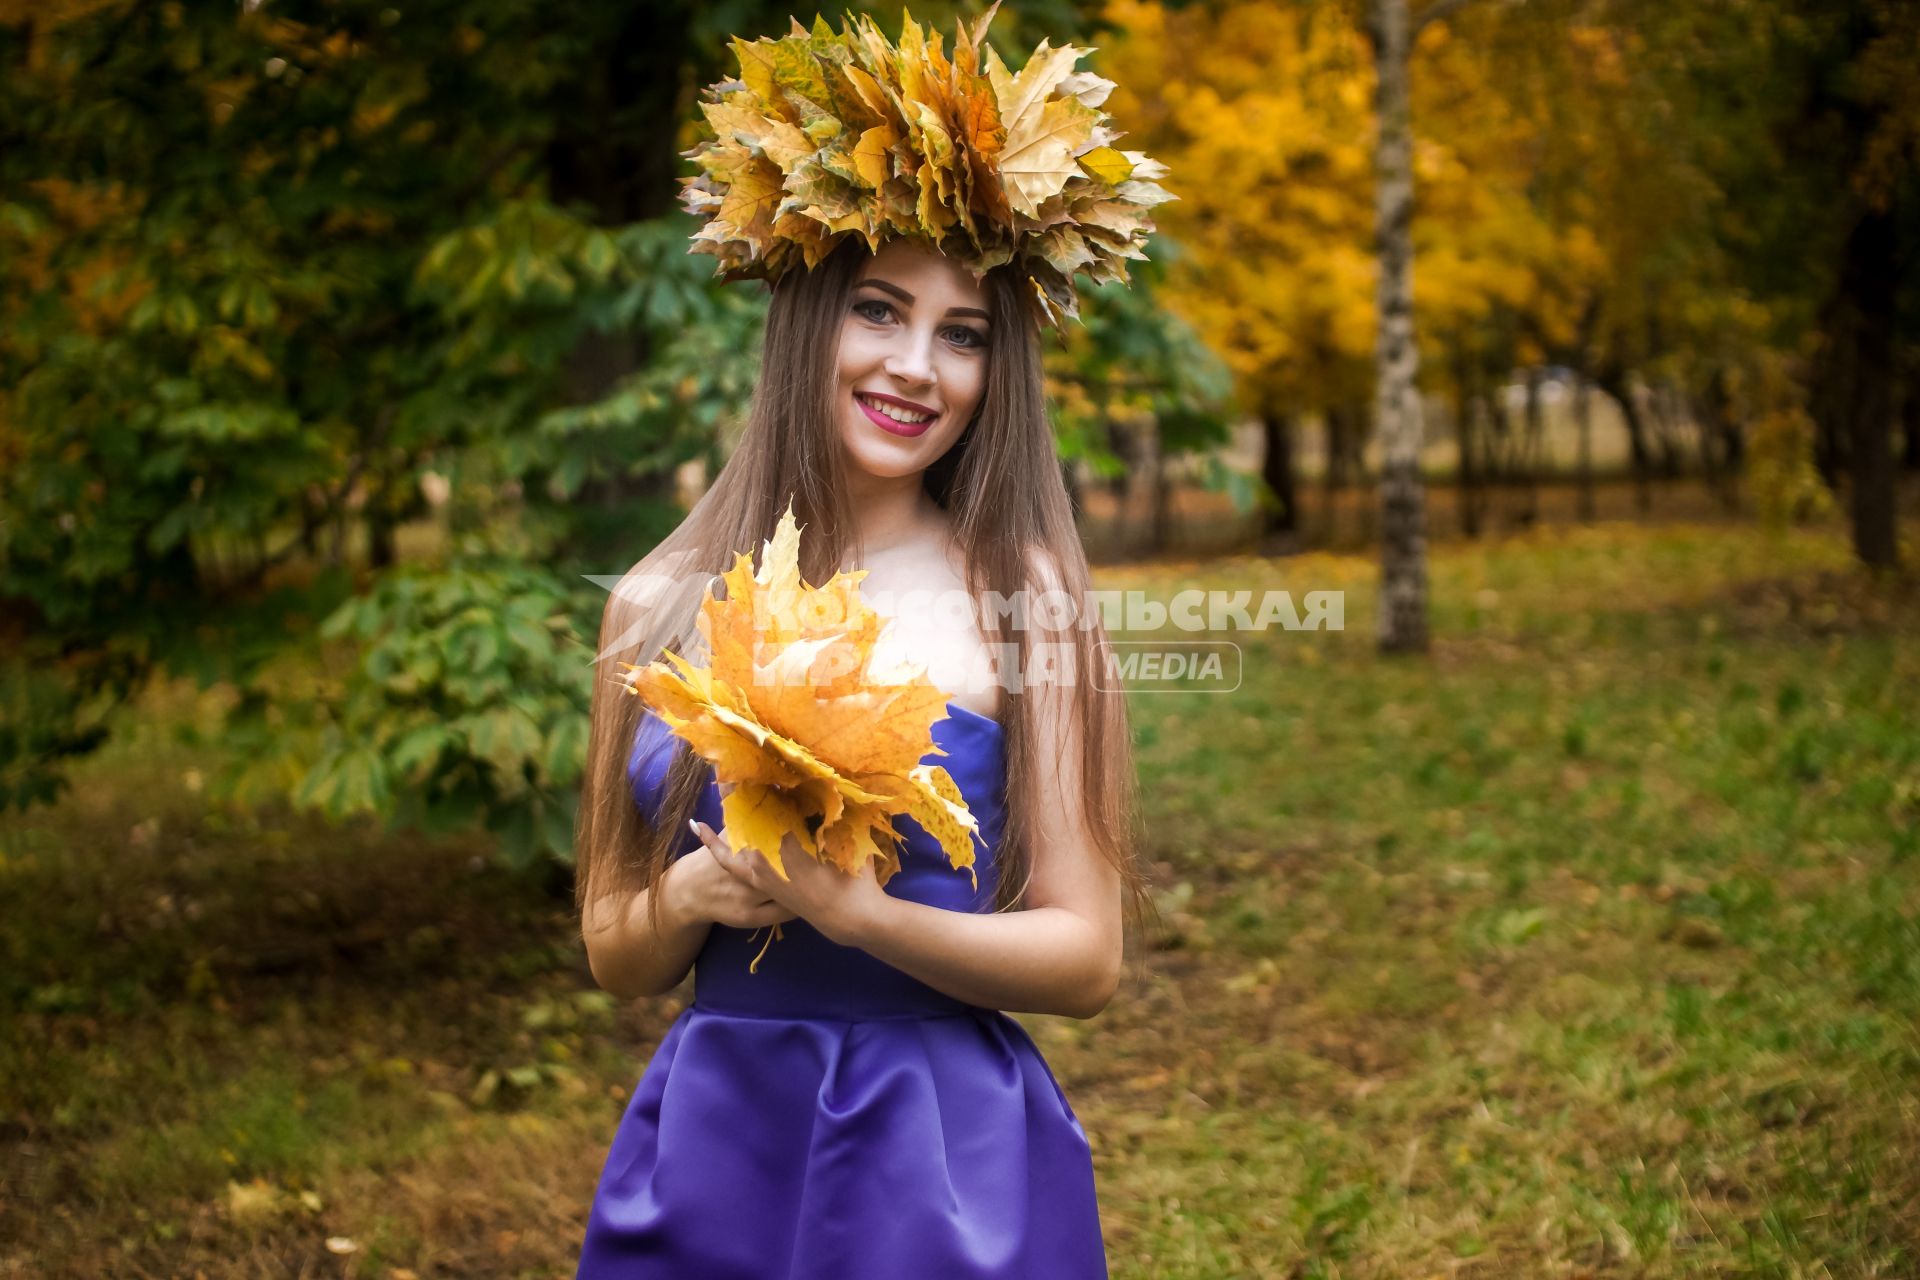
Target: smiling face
<point>913,359</point>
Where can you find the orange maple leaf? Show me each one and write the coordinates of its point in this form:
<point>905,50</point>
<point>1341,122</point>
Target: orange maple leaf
<point>818,742</point>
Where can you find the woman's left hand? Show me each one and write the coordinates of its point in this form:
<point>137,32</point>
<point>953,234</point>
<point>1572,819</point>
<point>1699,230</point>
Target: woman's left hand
<point>837,904</point>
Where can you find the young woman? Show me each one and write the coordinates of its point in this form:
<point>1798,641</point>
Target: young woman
<point>860,1105</point>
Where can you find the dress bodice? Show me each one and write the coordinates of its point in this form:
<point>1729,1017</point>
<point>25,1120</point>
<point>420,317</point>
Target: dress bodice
<point>803,973</point>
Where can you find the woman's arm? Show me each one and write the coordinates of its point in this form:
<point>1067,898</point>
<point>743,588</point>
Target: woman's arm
<point>1060,955</point>
<point>630,958</point>
<point>1050,959</point>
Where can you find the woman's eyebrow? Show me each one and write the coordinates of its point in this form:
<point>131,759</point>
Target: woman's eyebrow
<point>904,296</point>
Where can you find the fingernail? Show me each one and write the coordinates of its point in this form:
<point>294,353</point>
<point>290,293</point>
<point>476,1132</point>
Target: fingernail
<point>693,826</point>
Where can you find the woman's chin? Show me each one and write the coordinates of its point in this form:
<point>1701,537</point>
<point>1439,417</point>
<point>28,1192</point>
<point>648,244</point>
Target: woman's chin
<point>892,469</point>
<point>892,457</point>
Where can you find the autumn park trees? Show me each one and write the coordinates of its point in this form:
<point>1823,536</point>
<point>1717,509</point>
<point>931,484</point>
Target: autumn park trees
<point>1627,191</point>
<point>371,324</point>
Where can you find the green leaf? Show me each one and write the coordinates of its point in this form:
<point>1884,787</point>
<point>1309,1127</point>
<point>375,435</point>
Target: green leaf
<point>566,751</point>
<point>420,747</point>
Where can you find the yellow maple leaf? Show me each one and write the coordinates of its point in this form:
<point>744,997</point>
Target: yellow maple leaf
<point>1107,164</point>
<point>818,742</point>
<point>870,155</point>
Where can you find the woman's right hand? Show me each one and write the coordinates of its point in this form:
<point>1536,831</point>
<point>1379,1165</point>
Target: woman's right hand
<point>700,890</point>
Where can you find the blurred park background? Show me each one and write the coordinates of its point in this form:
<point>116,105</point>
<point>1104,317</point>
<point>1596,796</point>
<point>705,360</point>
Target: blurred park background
<point>1568,927</point>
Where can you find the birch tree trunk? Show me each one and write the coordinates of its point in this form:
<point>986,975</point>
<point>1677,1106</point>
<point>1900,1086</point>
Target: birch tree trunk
<point>1403,521</point>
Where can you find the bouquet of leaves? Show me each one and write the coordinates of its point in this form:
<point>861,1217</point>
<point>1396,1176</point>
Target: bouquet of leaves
<point>816,741</point>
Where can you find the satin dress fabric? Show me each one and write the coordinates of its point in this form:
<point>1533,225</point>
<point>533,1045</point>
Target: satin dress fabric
<point>832,1118</point>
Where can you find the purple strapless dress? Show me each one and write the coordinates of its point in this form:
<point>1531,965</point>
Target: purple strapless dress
<point>832,1118</point>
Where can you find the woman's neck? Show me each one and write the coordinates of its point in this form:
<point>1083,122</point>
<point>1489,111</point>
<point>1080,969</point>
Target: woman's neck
<point>894,514</point>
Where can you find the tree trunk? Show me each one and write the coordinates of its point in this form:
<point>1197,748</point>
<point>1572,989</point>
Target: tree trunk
<point>1468,476</point>
<point>1403,517</point>
<point>1853,382</point>
<point>1830,452</point>
<point>1910,418</point>
<point>1532,445</point>
<point>1120,485</point>
<point>1500,434</point>
<point>1611,378</point>
<point>1583,426</point>
<point>380,533</point>
<point>1333,481</point>
<point>1721,444</point>
<point>1360,429</point>
<point>1675,420</point>
<point>1276,468</point>
<point>1162,496</point>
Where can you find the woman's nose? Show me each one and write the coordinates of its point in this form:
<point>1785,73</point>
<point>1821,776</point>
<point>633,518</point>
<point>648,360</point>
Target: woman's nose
<point>911,359</point>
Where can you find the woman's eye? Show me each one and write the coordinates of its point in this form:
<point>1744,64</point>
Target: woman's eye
<point>879,312</point>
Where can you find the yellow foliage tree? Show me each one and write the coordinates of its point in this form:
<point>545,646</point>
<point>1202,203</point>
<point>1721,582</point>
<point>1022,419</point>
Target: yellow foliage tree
<point>1263,113</point>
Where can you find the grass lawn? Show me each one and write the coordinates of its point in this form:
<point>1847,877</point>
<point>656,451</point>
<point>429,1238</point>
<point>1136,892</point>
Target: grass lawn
<point>1586,945</point>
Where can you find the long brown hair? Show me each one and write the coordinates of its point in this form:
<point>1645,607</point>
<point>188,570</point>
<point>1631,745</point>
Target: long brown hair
<point>1004,494</point>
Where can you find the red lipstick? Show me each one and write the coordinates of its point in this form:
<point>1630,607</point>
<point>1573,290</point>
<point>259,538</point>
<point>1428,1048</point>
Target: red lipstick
<point>894,425</point>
